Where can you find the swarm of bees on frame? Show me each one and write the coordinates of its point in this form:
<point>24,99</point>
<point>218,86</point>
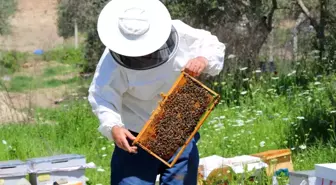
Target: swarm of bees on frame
<point>181,113</point>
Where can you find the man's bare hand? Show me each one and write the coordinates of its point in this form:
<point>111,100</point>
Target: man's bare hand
<point>196,66</point>
<point>119,135</point>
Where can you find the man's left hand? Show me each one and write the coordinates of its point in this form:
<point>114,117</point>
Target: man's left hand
<point>196,66</point>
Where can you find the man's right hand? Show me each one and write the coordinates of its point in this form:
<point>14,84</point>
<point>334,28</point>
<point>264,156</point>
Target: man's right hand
<point>119,135</point>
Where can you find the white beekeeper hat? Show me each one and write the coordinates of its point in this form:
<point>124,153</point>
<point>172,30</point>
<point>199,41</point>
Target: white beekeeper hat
<point>134,27</point>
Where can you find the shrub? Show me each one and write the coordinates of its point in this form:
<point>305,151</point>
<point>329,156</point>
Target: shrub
<point>65,55</point>
<point>10,60</point>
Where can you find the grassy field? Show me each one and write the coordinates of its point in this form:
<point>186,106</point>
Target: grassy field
<point>275,113</point>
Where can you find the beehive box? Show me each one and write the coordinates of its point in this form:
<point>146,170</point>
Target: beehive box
<point>302,177</point>
<point>62,169</point>
<point>325,174</point>
<point>12,172</point>
<point>177,119</point>
<point>276,159</point>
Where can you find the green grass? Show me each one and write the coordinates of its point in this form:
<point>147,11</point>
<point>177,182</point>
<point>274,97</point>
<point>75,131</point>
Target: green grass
<point>269,122</point>
<point>293,111</point>
<point>56,82</point>
<point>58,70</point>
<point>18,83</point>
<point>48,79</point>
<point>24,83</point>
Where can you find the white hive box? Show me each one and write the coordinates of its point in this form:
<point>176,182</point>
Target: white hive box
<point>13,172</point>
<point>302,177</point>
<point>66,169</point>
<point>325,174</point>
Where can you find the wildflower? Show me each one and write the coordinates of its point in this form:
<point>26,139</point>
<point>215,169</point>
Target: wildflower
<point>219,125</point>
<point>231,56</point>
<point>212,121</point>
<point>6,78</point>
<point>258,71</point>
<point>104,148</point>
<point>292,73</point>
<point>300,117</point>
<point>239,123</point>
<point>293,148</point>
<point>243,69</point>
<point>243,93</point>
<point>259,112</point>
<point>262,144</point>
<point>4,142</point>
<point>100,169</point>
<point>248,121</point>
<point>302,147</point>
<point>241,115</point>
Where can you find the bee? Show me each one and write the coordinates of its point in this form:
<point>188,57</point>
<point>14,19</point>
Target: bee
<point>178,119</point>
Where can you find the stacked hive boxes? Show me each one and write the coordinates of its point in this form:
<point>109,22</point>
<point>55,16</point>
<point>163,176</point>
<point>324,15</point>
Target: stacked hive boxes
<point>61,169</point>
<point>324,174</point>
<point>13,172</point>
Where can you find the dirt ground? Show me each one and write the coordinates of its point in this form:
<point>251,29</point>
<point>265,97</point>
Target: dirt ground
<point>33,27</point>
<point>15,107</point>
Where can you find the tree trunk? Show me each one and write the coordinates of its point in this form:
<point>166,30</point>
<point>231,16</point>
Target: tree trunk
<point>301,18</point>
<point>321,27</point>
<point>244,44</point>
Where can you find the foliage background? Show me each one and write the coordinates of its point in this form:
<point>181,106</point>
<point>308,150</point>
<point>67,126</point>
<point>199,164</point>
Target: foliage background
<point>277,87</point>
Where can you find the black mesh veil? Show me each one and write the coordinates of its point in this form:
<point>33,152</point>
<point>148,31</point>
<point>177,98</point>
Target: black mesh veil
<point>152,60</point>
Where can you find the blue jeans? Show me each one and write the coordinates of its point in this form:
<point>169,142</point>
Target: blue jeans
<point>142,168</point>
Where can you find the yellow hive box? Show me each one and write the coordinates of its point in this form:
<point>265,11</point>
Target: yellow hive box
<point>276,159</point>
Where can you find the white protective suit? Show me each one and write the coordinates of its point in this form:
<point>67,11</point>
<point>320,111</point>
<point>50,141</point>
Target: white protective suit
<point>126,97</point>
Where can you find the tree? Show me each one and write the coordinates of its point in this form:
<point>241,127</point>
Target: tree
<point>7,9</point>
<point>85,13</point>
<point>321,17</point>
<point>244,25</point>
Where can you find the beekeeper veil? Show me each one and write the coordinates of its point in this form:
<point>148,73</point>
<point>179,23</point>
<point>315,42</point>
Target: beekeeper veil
<point>138,33</point>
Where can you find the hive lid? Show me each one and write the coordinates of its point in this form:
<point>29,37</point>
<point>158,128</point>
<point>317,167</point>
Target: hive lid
<point>56,163</point>
<point>326,171</point>
<point>13,168</point>
<point>9,164</point>
<point>57,158</point>
<point>306,174</point>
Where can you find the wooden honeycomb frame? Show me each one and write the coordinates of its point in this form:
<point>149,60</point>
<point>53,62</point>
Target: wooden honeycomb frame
<point>147,131</point>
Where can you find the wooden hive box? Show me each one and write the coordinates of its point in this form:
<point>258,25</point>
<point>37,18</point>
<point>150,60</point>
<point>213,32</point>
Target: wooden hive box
<point>276,159</point>
<point>177,119</point>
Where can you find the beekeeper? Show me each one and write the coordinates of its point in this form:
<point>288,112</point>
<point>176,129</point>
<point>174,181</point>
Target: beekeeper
<point>145,52</point>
